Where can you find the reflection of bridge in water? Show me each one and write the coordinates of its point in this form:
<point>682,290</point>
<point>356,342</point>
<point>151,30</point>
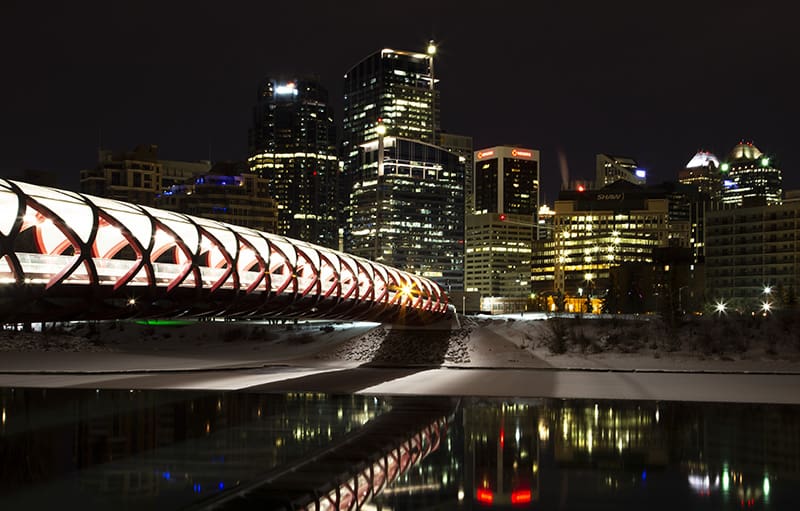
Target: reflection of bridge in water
<point>65,255</point>
<point>349,473</point>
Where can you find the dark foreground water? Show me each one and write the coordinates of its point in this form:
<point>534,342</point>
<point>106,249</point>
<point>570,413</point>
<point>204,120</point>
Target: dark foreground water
<point>88,449</point>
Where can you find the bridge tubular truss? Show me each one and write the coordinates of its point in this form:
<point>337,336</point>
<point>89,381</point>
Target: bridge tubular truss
<point>65,256</point>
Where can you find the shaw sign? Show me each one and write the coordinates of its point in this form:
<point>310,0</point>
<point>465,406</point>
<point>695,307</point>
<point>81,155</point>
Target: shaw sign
<point>610,196</point>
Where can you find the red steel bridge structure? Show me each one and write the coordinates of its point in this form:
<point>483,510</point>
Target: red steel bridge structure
<point>71,256</point>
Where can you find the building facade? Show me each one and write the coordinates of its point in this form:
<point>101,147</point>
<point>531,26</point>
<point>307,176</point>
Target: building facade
<point>753,256</point>
<point>407,209</point>
<point>502,226</point>
<point>136,176</point>
<point>597,230</point>
<point>293,146</point>
<point>609,169</point>
<point>229,193</point>
<point>750,177</point>
<point>394,91</point>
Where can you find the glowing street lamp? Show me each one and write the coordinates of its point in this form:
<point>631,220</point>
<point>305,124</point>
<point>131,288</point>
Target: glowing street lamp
<point>766,307</point>
<point>720,307</point>
<point>767,290</point>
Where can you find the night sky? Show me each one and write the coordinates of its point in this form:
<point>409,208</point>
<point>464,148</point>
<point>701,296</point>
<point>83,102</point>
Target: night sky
<point>624,78</point>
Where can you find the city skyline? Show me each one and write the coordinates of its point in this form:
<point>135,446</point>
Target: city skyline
<point>600,79</point>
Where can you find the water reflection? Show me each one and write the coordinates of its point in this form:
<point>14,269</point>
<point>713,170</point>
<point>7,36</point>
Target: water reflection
<point>573,454</point>
<point>169,448</point>
<point>166,450</point>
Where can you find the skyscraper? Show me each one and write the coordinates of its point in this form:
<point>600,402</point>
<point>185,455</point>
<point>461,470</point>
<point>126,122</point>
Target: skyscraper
<point>402,196</point>
<point>703,172</point>
<point>749,177</point>
<point>407,209</point>
<point>394,89</point>
<point>500,232</point>
<point>293,145</point>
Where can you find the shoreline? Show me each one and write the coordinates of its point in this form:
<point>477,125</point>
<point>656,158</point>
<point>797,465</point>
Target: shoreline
<point>482,343</point>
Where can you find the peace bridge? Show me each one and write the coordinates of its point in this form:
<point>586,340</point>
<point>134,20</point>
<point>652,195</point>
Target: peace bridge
<point>71,256</point>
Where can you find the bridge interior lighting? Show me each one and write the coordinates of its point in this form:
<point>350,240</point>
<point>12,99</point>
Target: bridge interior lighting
<point>406,289</point>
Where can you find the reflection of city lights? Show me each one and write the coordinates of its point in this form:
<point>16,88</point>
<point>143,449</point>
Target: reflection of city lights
<point>521,496</point>
<point>726,483</point>
<point>544,431</point>
<point>484,495</point>
<point>460,494</point>
<point>658,415</point>
<point>4,416</point>
<point>766,486</point>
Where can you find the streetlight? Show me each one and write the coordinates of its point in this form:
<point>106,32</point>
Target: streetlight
<point>766,307</point>
<point>767,290</point>
<point>720,307</point>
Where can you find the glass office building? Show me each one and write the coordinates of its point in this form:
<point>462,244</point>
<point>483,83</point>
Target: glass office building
<point>293,145</point>
<point>407,209</point>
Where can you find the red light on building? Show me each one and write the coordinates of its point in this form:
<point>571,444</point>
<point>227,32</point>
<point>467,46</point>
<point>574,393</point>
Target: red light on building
<point>484,495</point>
<point>485,154</point>
<point>521,497</point>
<point>502,217</point>
<point>520,152</point>
<point>581,188</point>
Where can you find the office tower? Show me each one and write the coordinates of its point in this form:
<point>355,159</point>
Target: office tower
<point>393,89</point>
<point>407,209</point>
<point>293,146</point>
<point>597,230</point>
<point>228,193</point>
<point>753,256</point>
<point>500,232</point>
<point>402,195</point>
<point>136,176</point>
<point>613,168</point>
<point>750,177</point>
<point>703,172</point>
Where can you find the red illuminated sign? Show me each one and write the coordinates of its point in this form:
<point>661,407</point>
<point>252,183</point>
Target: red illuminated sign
<point>520,152</point>
<point>485,154</point>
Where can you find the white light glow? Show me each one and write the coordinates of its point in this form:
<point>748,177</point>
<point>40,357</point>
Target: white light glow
<point>288,88</point>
